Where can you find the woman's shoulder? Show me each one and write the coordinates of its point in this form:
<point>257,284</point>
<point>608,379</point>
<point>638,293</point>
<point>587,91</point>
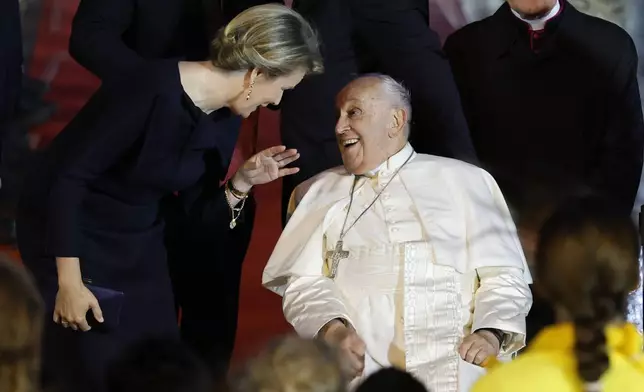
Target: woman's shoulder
<point>150,77</point>
<point>625,374</point>
<point>556,370</point>
<point>532,371</point>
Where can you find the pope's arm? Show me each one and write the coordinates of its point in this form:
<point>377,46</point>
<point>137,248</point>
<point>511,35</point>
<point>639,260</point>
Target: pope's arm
<point>503,297</point>
<point>310,300</point>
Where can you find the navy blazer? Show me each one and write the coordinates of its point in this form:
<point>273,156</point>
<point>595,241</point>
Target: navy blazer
<point>98,187</point>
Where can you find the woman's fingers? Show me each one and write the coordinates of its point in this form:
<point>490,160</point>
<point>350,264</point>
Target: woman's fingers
<point>287,171</point>
<point>284,155</point>
<point>82,323</point>
<point>272,151</point>
<point>288,160</point>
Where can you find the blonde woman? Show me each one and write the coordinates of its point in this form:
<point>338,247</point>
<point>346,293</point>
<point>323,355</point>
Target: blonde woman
<point>21,320</point>
<point>89,226</point>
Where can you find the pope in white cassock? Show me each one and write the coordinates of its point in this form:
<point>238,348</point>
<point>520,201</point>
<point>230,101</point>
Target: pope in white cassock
<point>401,259</point>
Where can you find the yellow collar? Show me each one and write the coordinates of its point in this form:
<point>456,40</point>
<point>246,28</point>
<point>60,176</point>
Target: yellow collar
<point>621,338</point>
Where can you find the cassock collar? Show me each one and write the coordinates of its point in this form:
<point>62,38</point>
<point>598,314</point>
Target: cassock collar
<point>509,30</point>
<point>393,163</point>
<point>540,24</point>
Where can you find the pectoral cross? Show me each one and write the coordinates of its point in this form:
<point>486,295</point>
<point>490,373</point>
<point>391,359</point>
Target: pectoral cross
<point>336,255</point>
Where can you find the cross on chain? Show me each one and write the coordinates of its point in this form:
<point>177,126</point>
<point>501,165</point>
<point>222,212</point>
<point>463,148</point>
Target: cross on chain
<point>336,255</point>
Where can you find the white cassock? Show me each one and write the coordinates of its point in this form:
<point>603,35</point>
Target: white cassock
<point>436,257</point>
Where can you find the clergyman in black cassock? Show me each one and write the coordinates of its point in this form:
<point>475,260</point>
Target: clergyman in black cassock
<point>363,36</point>
<point>110,37</point>
<point>551,106</point>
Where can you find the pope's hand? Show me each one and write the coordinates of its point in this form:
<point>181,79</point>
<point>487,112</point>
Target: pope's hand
<point>479,346</point>
<point>264,167</point>
<point>350,345</point>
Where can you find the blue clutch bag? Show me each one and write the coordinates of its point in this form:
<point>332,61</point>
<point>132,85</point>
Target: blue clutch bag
<point>111,303</point>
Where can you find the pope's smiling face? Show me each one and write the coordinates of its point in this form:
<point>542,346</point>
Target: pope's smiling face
<point>364,128</point>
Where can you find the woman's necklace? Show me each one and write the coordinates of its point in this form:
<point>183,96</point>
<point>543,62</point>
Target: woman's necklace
<point>338,253</point>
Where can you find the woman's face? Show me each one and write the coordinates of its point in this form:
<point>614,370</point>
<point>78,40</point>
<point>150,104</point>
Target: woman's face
<point>264,91</point>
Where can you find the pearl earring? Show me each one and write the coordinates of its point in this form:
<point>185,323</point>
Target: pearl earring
<point>250,90</point>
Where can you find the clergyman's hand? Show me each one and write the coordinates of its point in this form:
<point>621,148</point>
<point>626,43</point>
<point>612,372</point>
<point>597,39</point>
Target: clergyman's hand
<point>479,346</point>
<point>265,166</point>
<point>351,347</point>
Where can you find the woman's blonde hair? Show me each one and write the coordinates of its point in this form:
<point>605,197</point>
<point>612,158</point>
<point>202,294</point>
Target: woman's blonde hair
<point>272,38</point>
<point>21,322</point>
<point>292,364</point>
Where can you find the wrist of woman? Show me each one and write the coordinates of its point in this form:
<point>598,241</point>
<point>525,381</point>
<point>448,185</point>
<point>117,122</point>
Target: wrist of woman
<point>239,184</point>
<point>69,272</point>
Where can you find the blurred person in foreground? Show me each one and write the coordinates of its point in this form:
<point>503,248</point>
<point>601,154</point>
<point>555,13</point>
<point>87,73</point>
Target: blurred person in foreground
<point>292,364</point>
<point>587,263</point>
<point>21,322</point>
<point>398,258</point>
<point>391,379</point>
<point>159,365</point>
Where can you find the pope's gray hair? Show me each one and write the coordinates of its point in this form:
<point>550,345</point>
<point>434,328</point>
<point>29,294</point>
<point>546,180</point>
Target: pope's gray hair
<point>400,95</point>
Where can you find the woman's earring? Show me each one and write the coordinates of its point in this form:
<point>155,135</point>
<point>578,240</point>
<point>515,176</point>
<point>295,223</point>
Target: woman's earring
<point>250,90</point>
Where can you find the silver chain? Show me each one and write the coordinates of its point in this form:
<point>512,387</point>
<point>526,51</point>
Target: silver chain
<point>353,187</point>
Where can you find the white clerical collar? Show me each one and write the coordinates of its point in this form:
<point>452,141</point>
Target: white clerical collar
<point>394,161</point>
<point>540,24</point>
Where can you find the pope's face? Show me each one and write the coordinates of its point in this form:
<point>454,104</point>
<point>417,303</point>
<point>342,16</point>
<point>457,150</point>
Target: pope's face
<point>532,9</point>
<point>362,129</point>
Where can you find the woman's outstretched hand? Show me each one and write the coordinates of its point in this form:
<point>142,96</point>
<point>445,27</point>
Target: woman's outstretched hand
<point>264,167</point>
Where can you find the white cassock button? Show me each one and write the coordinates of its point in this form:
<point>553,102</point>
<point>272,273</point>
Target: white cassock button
<point>389,209</point>
<point>394,230</point>
<point>385,196</point>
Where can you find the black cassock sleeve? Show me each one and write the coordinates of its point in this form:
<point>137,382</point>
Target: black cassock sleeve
<point>619,160</point>
<point>97,42</point>
<point>398,35</point>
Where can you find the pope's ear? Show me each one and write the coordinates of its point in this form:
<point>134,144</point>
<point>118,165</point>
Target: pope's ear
<point>398,121</point>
